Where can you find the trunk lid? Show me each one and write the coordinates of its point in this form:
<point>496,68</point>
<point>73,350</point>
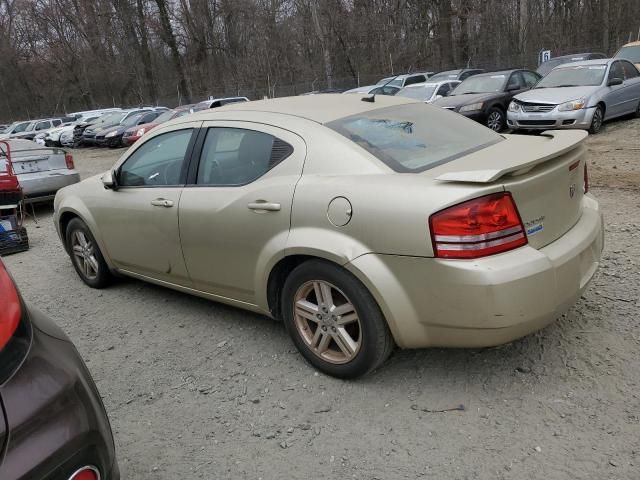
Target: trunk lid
<point>544,174</point>
<point>29,157</point>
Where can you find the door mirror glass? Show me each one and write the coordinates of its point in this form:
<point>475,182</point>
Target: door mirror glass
<point>615,81</point>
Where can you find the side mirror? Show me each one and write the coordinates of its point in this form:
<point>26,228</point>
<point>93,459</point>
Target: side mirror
<point>109,181</point>
<point>615,81</point>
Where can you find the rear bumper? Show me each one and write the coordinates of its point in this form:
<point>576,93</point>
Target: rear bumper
<point>488,301</point>
<point>55,417</point>
<point>44,185</point>
<point>553,120</point>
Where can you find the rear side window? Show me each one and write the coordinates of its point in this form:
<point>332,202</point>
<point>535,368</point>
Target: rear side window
<point>414,137</point>
<point>235,156</point>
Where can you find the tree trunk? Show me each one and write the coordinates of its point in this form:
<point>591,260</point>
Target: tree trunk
<point>170,39</point>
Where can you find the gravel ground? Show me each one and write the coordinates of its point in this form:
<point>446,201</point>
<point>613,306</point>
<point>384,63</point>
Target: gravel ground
<point>195,389</point>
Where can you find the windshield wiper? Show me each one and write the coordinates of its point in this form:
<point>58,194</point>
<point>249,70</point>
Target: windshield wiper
<point>561,86</point>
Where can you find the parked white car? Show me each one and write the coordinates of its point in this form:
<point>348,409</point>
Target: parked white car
<point>51,137</point>
<point>427,91</point>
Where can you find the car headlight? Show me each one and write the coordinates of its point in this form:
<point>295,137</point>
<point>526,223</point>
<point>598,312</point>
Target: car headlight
<point>572,105</point>
<point>111,134</point>
<point>514,107</point>
<point>472,108</point>
<point>140,132</point>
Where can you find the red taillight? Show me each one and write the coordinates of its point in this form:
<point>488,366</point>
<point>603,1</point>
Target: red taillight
<point>477,228</point>
<point>68,159</point>
<point>86,473</point>
<point>10,309</point>
<point>586,178</point>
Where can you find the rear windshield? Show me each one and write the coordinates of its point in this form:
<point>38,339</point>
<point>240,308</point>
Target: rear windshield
<point>423,92</point>
<point>631,53</point>
<point>414,137</point>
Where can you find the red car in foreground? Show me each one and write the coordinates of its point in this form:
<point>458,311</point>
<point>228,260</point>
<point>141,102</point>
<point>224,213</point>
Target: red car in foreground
<point>53,425</point>
<point>133,134</point>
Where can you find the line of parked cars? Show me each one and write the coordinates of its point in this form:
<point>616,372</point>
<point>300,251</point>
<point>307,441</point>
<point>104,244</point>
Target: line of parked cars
<point>572,91</point>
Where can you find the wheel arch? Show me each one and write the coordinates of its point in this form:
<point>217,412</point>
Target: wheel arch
<point>64,217</point>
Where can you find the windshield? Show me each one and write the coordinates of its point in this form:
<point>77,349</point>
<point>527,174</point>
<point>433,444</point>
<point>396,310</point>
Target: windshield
<point>578,76</point>
<point>481,84</point>
<point>439,77</point>
<point>111,118</point>
<point>133,119</point>
<point>631,53</point>
<point>424,92</point>
<point>165,117</point>
<point>414,137</point>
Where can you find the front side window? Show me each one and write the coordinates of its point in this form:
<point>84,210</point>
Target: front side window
<point>530,79</point>
<point>444,89</point>
<point>415,79</point>
<point>515,82</point>
<point>235,156</point>
<point>43,125</point>
<point>414,137</point>
<point>616,71</point>
<point>157,162</point>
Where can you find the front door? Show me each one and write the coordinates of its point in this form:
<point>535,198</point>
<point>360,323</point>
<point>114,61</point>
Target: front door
<point>235,214</point>
<point>139,220</point>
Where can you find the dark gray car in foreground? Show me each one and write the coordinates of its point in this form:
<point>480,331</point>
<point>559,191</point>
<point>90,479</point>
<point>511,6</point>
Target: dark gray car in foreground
<point>53,425</point>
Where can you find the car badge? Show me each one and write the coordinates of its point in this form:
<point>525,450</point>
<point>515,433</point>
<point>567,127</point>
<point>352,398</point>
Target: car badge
<point>572,190</point>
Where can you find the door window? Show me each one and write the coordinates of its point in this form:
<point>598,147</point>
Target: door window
<point>414,79</point>
<point>629,70</point>
<point>234,156</point>
<point>515,81</point>
<point>616,71</point>
<point>157,162</point>
<point>43,125</point>
<point>444,89</point>
<point>530,79</point>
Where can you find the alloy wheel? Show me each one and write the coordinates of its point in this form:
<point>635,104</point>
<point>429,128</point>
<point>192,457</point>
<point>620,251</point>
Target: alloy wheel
<point>84,255</point>
<point>494,122</point>
<point>596,123</point>
<point>327,322</point>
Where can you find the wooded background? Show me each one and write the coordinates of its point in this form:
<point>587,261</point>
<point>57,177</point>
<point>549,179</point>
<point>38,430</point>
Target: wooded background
<point>59,56</point>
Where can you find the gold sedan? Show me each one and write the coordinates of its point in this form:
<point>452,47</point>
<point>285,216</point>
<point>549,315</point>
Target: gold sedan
<point>361,224</point>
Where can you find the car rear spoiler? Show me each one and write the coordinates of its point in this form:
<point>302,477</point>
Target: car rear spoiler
<point>515,157</point>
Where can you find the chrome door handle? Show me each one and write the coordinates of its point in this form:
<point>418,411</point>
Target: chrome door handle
<point>161,202</point>
<point>261,205</point>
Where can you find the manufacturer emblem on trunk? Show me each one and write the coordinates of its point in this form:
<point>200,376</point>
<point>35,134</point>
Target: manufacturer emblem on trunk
<point>572,190</point>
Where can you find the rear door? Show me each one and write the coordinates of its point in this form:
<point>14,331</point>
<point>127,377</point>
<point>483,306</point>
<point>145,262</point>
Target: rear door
<point>235,213</point>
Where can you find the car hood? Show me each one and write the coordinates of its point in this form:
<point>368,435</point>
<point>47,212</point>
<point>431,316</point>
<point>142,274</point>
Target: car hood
<point>555,95</point>
<point>465,99</point>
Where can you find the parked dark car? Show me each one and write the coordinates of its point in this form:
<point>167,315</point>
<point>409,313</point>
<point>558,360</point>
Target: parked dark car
<point>53,425</point>
<point>112,136</point>
<point>486,97</point>
<point>111,120</point>
<point>461,74</point>
<point>133,134</point>
<point>549,65</point>
<point>78,130</point>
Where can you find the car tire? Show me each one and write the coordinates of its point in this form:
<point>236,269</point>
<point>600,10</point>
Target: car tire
<point>86,256</point>
<point>345,335</point>
<point>495,119</point>
<point>596,120</point>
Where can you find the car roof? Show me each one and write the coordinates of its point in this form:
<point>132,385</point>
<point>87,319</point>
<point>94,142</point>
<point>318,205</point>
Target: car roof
<point>317,108</point>
<point>428,83</point>
<point>500,72</point>
<point>576,55</point>
<point>599,61</point>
